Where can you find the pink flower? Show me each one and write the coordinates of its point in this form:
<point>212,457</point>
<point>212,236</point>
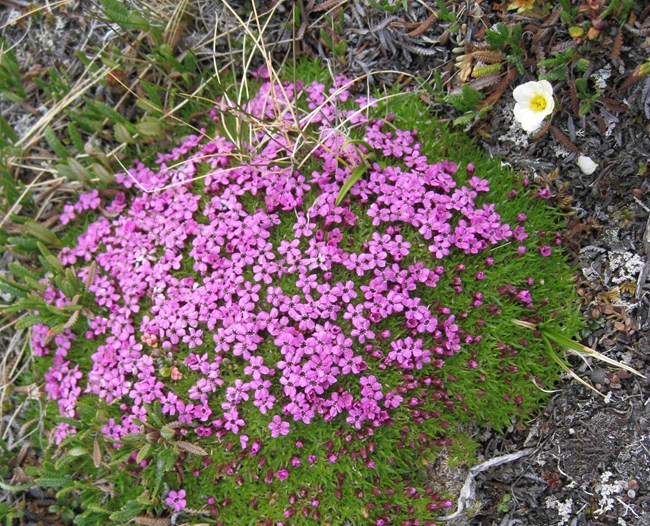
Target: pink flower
<point>176,500</point>
<point>279,427</point>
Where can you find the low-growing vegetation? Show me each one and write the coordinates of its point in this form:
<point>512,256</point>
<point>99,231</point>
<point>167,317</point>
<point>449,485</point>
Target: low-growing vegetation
<point>282,317</point>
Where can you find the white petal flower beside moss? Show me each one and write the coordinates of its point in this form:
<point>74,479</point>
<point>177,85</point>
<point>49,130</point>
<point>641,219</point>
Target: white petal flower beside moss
<point>534,102</point>
<point>586,164</point>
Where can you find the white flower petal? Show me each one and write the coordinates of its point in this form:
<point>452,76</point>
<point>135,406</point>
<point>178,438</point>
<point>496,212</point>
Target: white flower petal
<point>525,92</point>
<point>546,88</point>
<point>586,164</point>
<point>529,110</point>
<point>529,119</point>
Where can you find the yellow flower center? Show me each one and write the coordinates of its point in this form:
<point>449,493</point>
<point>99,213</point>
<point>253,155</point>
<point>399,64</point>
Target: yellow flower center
<point>538,103</point>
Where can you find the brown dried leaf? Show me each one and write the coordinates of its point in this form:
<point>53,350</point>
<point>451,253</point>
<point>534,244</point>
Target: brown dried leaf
<point>500,89</point>
<point>644,14</point>
<point>489,57</point>
<point>602,127</point>
<point>92,274</point>
<point>632,79</point>
<point>327,5</point>
<point>564,197</point>
<point>465,68</point>
<point>191,448</point>
<point>553,18</point>
<point>573,96</point>
<point>613,105</point>
<point>97,454</point>
<point>561,47</point>
<point>153,521</point>
<point>486,81</point>
<point>628,287</point>
<point>563,139</point>
<point>607,298</point>
<point>618,44</point>
<point>72,320</point>
<point>623,374</point>
<point>176,425</point>
<point>542,131</point>
<point>424,26</point>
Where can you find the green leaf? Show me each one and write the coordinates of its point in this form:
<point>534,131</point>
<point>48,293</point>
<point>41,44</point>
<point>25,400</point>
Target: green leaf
<point>42,233</point>
<point>167,458</point>
<point>518,63</point>
<point>10,77</point>
<point>155,94</point>
<point>75,137</point>
<point>54,263</point>
<point>35,285</point>
<point>12,488</point>
<point>79,171</point>
<point>7,132</point>
<point>466,100</point>
<point>102,173</point>
<point>581,86</point>
<point>11,287</point>
<point>55,144</point>
<point>150,128</point>
<point>143,453</point>
<point>516,33</point>
<point>107,112</point>
<point>66,172</point>
<point>29,321</point>
<point>23,245</point>
<point>167,433</point>
<point>87,122</point>
<point>190,62</point>
<point>465,119</point>
<point>116,11</point>
<point>134,437</point>
<point>584,107</point>
<point>13,97</point>
<point>69,287</point>
<point>495,38</point>
<point>155,416</point>
<point>129,511</point>
<point>63,492</point>
<point>121,133</point>
<point>549,62</point>
<point>53,482</point>
<point>11,187</point>
<point>97,509</point>
<point>21,272</point>
<point>355,175</point>
<point>558,73</point>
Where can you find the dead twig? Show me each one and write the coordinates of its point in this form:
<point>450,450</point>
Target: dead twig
<point>467,491</point>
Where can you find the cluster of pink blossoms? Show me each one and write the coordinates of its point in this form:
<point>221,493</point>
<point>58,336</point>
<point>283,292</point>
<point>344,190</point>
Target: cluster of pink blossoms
<point>198,280</point>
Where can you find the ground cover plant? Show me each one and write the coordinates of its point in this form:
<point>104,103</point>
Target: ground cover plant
<point>280,319</point>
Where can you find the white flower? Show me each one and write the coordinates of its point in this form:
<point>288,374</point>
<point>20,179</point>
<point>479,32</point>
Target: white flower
<point>534,103</point>
<point>586,165</point>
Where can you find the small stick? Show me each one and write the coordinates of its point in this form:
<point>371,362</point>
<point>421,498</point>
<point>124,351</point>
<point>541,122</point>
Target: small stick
<point>467,491</point>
